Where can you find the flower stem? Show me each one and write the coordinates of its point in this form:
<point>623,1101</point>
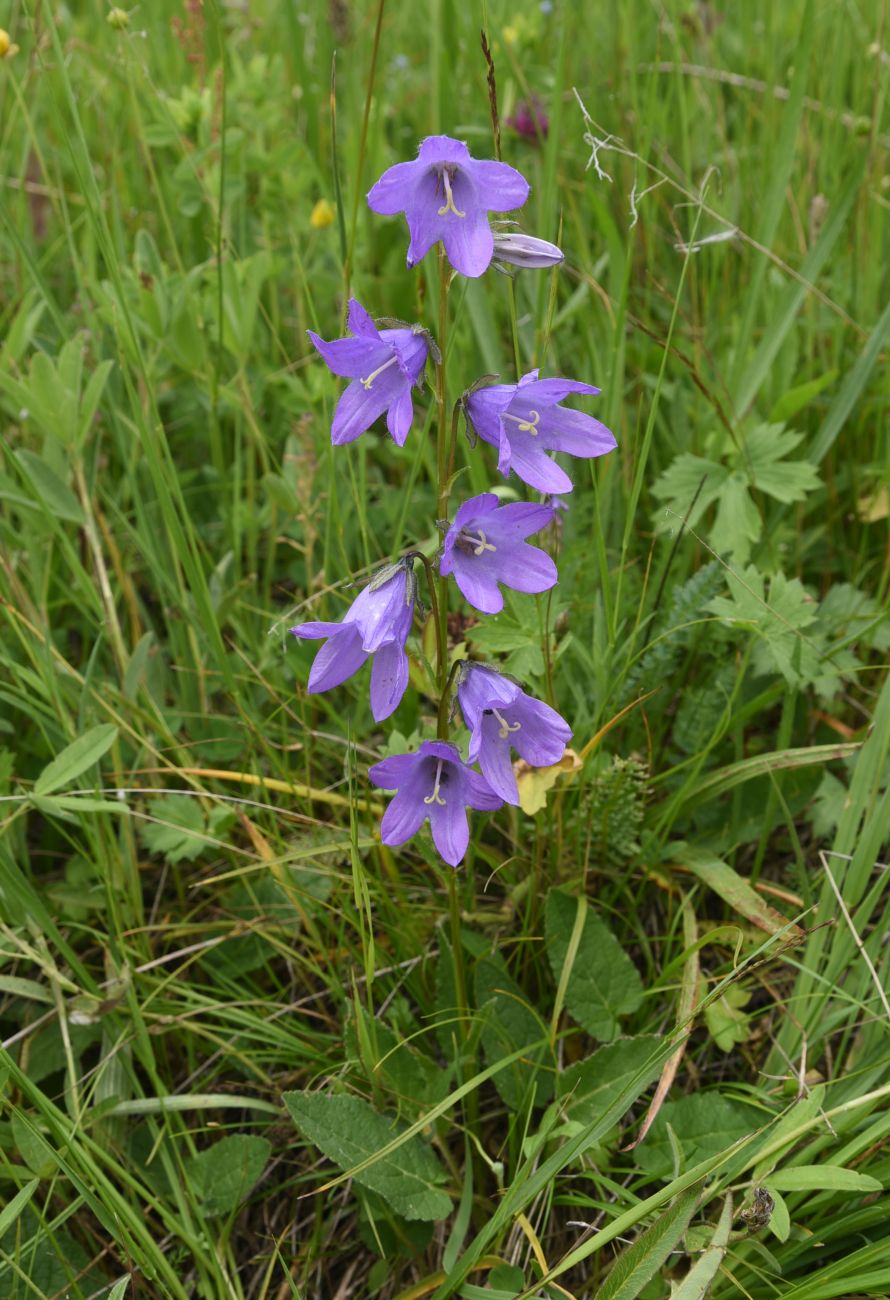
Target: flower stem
<point>457,956</point>
<point>442,485</point>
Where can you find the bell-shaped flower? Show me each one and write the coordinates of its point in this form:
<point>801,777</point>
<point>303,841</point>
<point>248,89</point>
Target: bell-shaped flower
<point>432,783</point>
<point>446,195</point>
<point>377,623</point>
<point>526,422</point>
<point>501,716</point>
<point>486,545</point>
<point>383,365</point>
<point>517,249</point>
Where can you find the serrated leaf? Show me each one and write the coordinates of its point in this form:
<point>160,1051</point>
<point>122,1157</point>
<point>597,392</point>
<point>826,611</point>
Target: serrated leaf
<point>678,485</point>
<point>508,1024</point>
<point>224,1174</point>
<point>76,758</point>
<point>603,983</point>
<point>737,523</point>
<point>181,830</point>
<point>779,616</point>
<point>695,1127</point>
<point>588,1087</point>
<point>348,1130</point>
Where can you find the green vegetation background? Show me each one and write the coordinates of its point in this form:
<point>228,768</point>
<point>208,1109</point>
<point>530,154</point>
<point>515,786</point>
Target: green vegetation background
<point>246,1052</point>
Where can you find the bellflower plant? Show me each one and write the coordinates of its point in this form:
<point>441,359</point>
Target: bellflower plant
<point>525,421</point>
<point>486,545</point>
<point>432,783</point>
<point>446,195</point>
<point>377,623</point>
<point>383,365</point>
<point>500,715</point>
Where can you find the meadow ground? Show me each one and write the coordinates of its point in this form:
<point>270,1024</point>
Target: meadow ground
<point>637,1043</point>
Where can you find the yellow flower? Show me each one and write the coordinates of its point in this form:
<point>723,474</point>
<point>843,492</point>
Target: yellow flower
<point>322,215</point>
<point>7,49</point>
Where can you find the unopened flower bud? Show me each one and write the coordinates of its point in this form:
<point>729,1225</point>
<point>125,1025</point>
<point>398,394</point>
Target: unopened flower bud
<point>119,19</point>
<point>7,49</point>
<point>525,250</point>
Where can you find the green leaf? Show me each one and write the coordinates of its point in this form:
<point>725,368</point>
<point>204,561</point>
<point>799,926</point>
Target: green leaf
<point>11,1211</point>
<point>181,830</point>
<point>822,1178</point>
<point>732,888</point>
<point>348,1130</point>
<point>696,1283</point>
<point>56,496</point>
<point>588,1087</point>
<point>795,399</point>
<point>680,482</point>
<point>76,758</point>
<point>223,1175</point>
<point>603,983</point>
<point>737,523</point>
<point>778,617</point>
<point>764,454</point>
<point>699,1126</point>
<point>635,1266</point>
<point>509,1022</point>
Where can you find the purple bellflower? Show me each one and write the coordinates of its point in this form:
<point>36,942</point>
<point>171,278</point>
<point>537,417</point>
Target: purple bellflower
<point>377,623</point>
<point>446,195</point>
<point>500,715</point>
<point>525,422</point>
<point>383,365</point>
<point>486,545</point>
<point>434,782</point>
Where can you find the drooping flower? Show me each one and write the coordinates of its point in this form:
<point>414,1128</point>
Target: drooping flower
<point>530,120</point>
<point>447,194</point>
<point>434,782</point>
<point>500,715</point>
<point>383,365</point>
<point>377,623</point>
<point>525,422</point>
<point>486,545</point>
<point>517,249</point>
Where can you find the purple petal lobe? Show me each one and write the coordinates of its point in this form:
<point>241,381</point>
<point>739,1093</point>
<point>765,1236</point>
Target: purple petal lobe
<point>494,759</point>
<point>528,568</point>
<point>451,831</point>
<point>389,680</point>
<point>337,659</point>
<point>392,772</point>
<point>469,244</point>
<point>478,587</point>
<point>479,794</point>
<point>542,734</point>
<point>315,631</point>
<point>442,149</point>
<point>399,417</point>
<point>403,818</point>
<point>359,320</point>
<point>578,434</point>
<point>350,357</point>
<point>530,462</point>
<point>503,186</point>
<point>394,190</point>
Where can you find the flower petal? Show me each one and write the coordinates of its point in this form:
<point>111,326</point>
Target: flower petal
<point>469,242</point>
<point>424,223</point>
<point>337,659</point>
<point>315,631</point>
<point>403,818</point>
<point>399,417</point>
<point>501,188</point>
<point>543,733</point>
<point>450,828</point>
<point>480,689</point>
<point>359,406</point>
<point>477,582</point>
<point>494,759</point>
<point>393,772</point>
<point>526,568</point>
<point>394,191</point>
<point>350,357</point>
<point>442,149</point>
<point>471,509</point>
<point>577,433</point>
<point>547,392</point>
<point>530,462</point>
<point>479,794</point>
<point>389,680</point>
<point>484,408</point>
<point>518,519</point>
<point>359,321</point>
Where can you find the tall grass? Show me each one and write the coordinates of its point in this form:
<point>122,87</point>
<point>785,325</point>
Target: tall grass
<point>236,1059</point>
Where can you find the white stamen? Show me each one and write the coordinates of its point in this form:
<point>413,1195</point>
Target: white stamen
<point>366,383</point>
<point>505,727</point>
<point>478,541</point>
<point>526,426</point>
<point>435,796</point>
<point>448,205</point>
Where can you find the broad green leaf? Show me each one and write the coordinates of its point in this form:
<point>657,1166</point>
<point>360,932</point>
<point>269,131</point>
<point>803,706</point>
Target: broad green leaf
<point>701,1125</point>
<point>588,1087</point>
<point>224,1174</point>
<point>76,758</point>
<point>822,1178</point>
<point>733,889</point>
<point>56,496</point>
<point>737,523</point>
<point>603,982</point>
<point>764,455</point>
<point>795,399</point>
<point>348,1130</point>
<point>780,1219</point>
<point>641,1261</point>
<point>119,1290</point>
<point>181,830</point>
<point>509,1022</point>
<point>779,616</point>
